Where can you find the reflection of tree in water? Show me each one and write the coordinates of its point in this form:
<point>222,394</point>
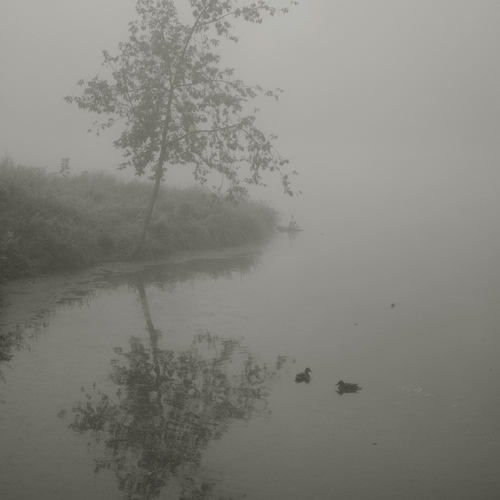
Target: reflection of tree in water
<point>167,276</point>
<point>15,340</point>
<point>17,337</point>
<point>9,342</point>
<point>77,298</point>
<point>169,406</point>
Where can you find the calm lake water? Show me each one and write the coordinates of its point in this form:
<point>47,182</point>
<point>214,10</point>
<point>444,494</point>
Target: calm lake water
<point>176,381</point>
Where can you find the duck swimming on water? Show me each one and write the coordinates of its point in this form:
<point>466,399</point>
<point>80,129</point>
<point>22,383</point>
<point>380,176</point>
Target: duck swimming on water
<point>303,376</point>
<point>347,387</point>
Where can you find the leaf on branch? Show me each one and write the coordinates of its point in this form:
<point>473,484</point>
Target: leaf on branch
<point>177,103</point>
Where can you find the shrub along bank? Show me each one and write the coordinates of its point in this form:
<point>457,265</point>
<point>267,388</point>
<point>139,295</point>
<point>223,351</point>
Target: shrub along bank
<point>50,223</point>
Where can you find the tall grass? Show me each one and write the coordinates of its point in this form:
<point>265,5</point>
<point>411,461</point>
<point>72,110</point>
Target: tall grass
<point>50,223</point>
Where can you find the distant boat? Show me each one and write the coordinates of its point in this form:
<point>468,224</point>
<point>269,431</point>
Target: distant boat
<point>291,228</point>
<point>288,229</point>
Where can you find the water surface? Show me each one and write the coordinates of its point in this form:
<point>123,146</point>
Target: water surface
<point>176,380</point>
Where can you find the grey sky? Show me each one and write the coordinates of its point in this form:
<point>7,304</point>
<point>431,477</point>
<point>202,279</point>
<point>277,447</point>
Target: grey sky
<point>399,97</point>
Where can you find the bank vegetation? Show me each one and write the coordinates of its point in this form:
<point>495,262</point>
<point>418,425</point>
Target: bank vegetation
<point>57,222</point>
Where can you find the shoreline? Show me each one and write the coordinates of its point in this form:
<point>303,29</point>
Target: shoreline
<point>26,302</point>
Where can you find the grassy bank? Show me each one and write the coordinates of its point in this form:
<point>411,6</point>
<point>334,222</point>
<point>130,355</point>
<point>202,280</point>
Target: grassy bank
<point>51,223</point>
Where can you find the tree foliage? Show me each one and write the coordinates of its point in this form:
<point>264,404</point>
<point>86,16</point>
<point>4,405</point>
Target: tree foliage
<point>180,106</point>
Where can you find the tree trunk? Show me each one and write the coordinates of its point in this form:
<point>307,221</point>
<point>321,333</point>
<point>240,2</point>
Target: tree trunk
<point>147,218</point>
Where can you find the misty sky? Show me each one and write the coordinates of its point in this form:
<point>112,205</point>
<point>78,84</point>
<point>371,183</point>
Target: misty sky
<point>385,100</point>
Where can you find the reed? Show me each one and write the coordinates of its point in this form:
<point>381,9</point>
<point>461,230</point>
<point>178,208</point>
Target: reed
<point>51,223</point>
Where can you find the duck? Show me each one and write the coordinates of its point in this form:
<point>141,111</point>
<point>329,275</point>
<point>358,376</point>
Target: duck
<point>303,376</point>
<point>347,387</point>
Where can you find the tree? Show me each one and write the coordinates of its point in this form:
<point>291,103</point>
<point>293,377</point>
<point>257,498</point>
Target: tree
<point>179,104</point>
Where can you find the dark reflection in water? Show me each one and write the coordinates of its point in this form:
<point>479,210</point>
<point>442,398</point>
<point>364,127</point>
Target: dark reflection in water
<point>78,298</point>
<point>168,406</point>
<point>164,276</point>
<point>17,340</point>
<point>167,276</point>
<point>9,342</point>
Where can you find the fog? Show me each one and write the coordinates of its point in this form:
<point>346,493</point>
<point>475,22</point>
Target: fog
<point>391,109</point>
<point>391,116</point>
